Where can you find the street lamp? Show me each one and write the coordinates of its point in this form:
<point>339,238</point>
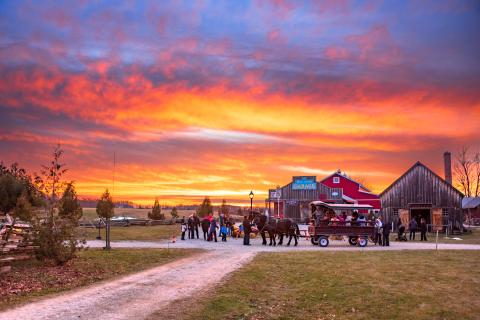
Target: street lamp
<point>251,202</point>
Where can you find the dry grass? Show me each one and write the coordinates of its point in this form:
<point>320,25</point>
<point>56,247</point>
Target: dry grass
<point>346,285</point>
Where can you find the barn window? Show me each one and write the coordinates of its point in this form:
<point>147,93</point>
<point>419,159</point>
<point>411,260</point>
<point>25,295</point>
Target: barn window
<point>395,212</point>
<point>336,180</point>
<point>445,212</point>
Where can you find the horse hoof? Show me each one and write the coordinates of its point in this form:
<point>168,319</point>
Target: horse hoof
<point>288,244</point>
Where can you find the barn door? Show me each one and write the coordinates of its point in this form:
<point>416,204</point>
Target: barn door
<point>404,216</point>
<point>437,219</point>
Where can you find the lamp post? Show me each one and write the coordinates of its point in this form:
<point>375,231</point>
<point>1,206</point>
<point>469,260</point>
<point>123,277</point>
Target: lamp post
<point>251,202</point>
<point>277,194</point>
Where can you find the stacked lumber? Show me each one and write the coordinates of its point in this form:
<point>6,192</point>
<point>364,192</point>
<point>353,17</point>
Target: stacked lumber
<point>15,244</point>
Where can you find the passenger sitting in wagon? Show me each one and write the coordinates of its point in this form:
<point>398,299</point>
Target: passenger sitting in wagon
<point>334,220</point>
<point>354,219</point>
<point>362,221</point>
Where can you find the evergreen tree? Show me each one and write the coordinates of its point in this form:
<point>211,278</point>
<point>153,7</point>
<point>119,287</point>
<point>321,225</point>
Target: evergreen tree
<point>156,213</point>
<point>205,208</point>
<point>174,213</point>
<point>105,207</point>
<point>224,208</point>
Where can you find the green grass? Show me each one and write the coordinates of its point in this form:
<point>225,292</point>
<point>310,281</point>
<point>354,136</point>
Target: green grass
<point>347,285</point>
<point>149,233</point>
<point>32,279</point>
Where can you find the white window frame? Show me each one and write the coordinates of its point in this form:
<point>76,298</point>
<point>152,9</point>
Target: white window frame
<point>336,179</point>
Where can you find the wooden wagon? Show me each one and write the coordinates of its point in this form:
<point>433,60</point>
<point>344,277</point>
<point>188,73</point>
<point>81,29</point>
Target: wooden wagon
<point>358,232</point>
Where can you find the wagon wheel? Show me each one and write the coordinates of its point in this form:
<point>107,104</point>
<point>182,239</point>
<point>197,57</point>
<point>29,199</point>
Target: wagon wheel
<point>323,242</point>
<point>352,241</point>
<point>314,240</point>
<point>363,242</point>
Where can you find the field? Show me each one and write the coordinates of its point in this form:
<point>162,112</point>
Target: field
<point>32,279</point>
<point>91,214</point>
<point>345,285</point>
<point>141,233</point>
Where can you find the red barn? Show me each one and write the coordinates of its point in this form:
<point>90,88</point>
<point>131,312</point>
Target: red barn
<point>352,191</point>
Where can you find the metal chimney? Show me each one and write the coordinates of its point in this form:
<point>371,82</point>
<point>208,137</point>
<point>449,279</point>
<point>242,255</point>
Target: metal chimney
<point>447,160</point>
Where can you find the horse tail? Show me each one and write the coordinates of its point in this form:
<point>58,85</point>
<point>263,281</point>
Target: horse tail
<point>297,229</point>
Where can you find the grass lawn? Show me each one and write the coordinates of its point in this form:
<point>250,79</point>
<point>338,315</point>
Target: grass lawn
<point>91,213</point>
<point>347,285</point>
<point>467,237</point>
<point>134,232</point>
<point>32,279</point>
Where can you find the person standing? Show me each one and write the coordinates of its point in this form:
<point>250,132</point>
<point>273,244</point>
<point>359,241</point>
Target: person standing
<point>196,223</point>
<point>412,226</point>
<point>247,229</point>
<point>221,220</point>
<point>205,228</point>
<point>213,230</point>
<point>378,230</point>
<point>423,230</point>
<point>184,229</point>
<point>190,227</point>
<point>386,234</point>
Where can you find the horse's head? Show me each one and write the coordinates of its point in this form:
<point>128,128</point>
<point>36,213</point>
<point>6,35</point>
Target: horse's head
<point>259,219</point>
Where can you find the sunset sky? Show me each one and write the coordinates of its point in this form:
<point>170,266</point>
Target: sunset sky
<point>217,98</point>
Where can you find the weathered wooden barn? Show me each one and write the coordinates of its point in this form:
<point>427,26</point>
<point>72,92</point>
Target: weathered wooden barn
<point>421,193</point>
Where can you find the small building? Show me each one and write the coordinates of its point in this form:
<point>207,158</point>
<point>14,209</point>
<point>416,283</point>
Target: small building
<point>471,210</point>
<point>421,193</point>
<point>293,200</point>
<point>352,191</point>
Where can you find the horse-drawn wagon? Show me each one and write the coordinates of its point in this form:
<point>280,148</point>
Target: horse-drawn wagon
<point>358,231</point>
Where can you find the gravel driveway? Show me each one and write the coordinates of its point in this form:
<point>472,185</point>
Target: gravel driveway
<point>138,295</point>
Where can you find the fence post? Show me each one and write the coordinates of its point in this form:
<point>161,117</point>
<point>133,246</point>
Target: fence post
<point>436,242</point>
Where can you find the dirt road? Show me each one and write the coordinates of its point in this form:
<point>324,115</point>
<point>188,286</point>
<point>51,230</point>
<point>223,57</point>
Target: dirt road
<point>138,295</point>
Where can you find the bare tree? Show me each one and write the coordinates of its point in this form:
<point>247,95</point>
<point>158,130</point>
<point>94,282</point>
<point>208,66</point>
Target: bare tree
<point>476,164</point>
<point>467,172</point>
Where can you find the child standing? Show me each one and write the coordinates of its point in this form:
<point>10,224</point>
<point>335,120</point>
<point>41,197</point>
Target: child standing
<point>184,229</point>
<point>223,232</point>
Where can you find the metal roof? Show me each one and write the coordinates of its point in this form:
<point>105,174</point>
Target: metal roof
<point>344,206</point>
<point>470,202</point>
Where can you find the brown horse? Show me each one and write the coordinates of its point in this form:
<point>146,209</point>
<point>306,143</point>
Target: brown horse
<point>277,227</point>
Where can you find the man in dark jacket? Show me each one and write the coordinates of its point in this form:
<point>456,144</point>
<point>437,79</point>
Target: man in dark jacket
<point>190,227</point>
<point>412,226</point>
<point>247,229</point>
<point>423,230</point>
<point>196,223</point>
<point>386,234</point>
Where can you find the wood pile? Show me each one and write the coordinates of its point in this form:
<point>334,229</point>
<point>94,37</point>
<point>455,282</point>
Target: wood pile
<point>15,244</point>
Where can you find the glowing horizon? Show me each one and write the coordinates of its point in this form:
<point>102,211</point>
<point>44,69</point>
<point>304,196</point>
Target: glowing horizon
<point>219,98</point>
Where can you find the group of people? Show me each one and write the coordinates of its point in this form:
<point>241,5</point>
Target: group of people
<point>210,225</point>
<point>331,218</point>
<point>413,227</point>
